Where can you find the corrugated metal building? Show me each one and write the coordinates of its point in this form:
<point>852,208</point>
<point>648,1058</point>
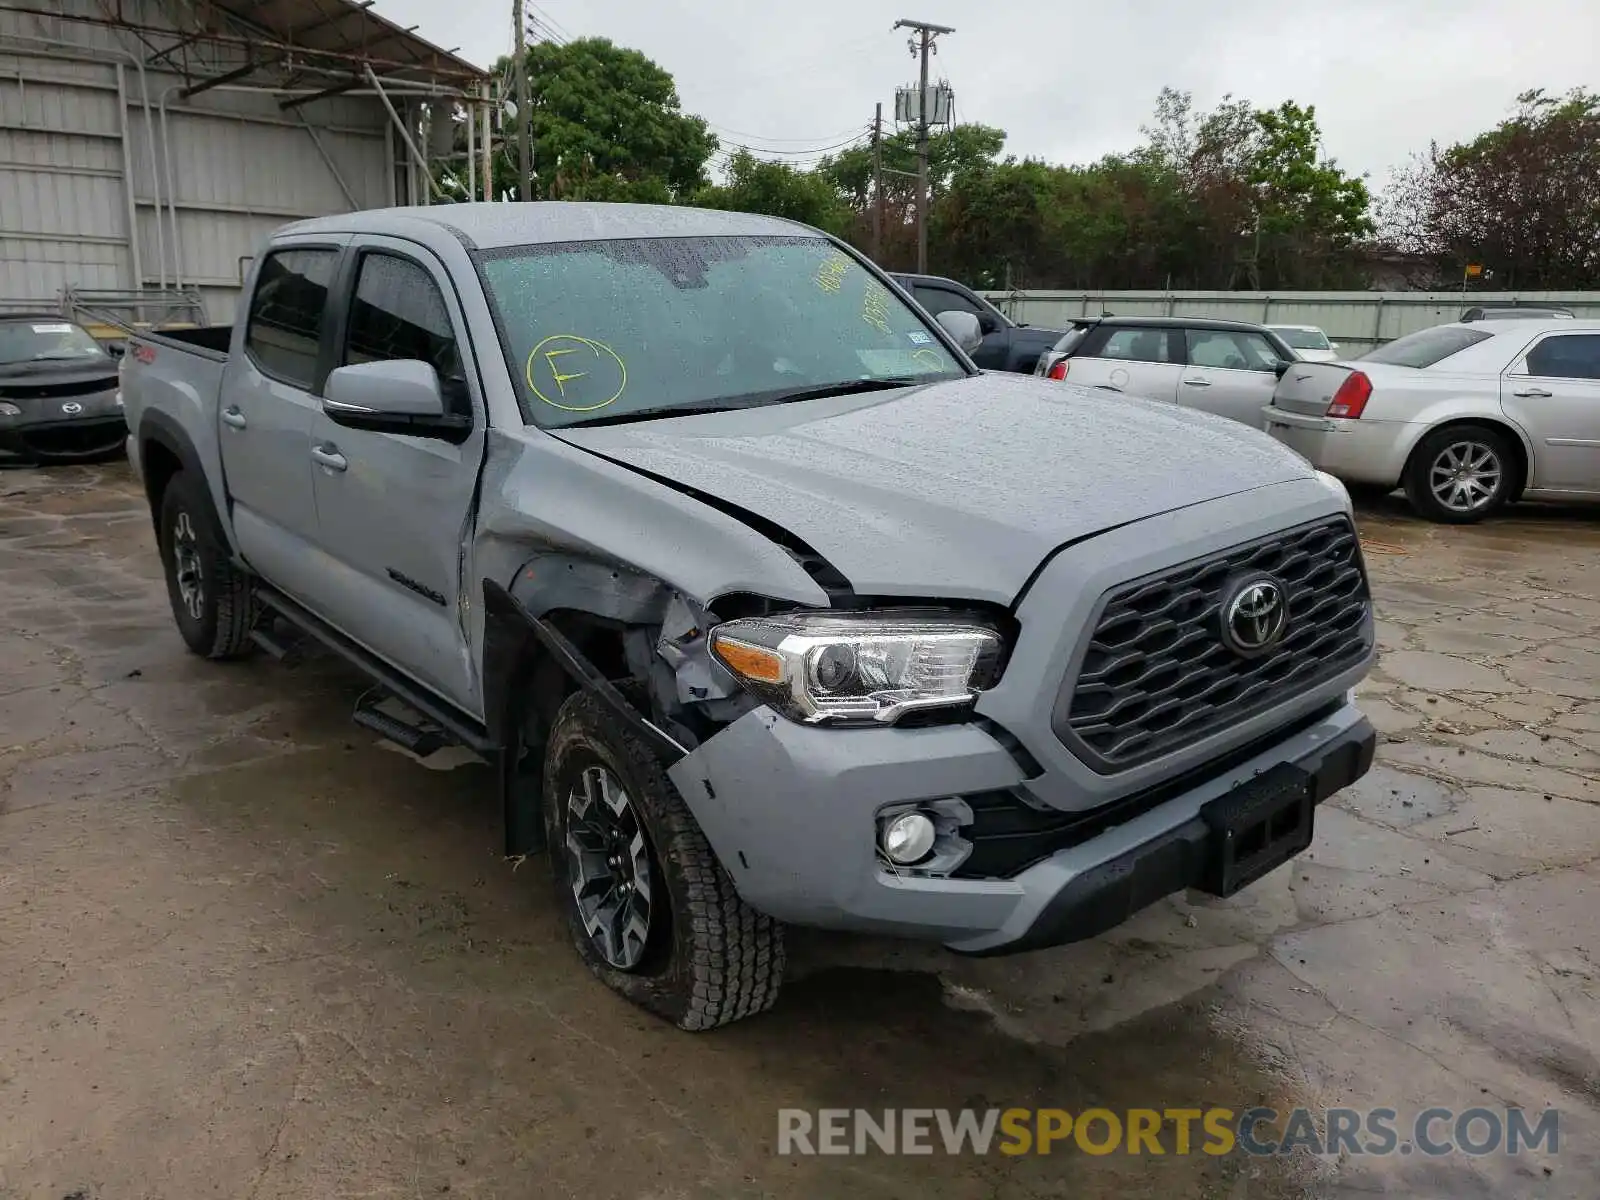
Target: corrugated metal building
<point>147,146</point>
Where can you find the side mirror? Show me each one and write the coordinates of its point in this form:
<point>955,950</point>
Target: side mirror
<point>965,328</point>
<point>1280,367</point>
<point>397,396</point>
<point>987,323</point>
<point>1333,348</point>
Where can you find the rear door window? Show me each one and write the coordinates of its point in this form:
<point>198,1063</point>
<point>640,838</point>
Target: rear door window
<point>1137,345</point>
<point>1566,356</point>
<point>284,330</point>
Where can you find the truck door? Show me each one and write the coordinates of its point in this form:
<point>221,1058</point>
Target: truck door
<point>1230,373</point>
<point>1553,392</point>
<point>992,352</point>
<point>268,403</point>
<point>393,508</point>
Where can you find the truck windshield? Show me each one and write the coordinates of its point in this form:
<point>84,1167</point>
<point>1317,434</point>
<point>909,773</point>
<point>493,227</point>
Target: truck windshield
<point>43,340</point>
<point>599,331</point>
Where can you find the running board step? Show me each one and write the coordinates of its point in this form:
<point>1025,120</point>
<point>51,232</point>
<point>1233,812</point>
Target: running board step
<point>268,644</point>
<point>390,718</point>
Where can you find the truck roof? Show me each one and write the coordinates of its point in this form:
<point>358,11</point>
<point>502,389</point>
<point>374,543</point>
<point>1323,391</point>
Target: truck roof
<point>489,226</point>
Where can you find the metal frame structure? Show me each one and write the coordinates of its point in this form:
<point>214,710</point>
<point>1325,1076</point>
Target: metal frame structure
<point>256,64</point>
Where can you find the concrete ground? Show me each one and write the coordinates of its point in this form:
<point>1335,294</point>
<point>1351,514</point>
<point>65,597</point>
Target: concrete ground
<point>248,951</point>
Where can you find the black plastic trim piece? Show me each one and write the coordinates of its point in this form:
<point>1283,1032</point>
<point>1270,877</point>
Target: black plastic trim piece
<point>1108,894</point>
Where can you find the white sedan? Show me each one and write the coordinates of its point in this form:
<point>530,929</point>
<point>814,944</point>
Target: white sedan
<point>1308,342</point>
<point>1465,417</point>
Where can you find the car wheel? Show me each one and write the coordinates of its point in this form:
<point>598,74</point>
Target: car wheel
<point>212,601</point>
<point>1461,474</point>
<point>648,906</point>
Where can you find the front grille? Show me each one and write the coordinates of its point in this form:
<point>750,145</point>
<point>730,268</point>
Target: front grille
<point>53,391</point>
<point>1156,674</point>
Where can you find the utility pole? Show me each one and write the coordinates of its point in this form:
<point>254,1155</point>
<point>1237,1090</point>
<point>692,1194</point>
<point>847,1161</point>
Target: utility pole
<point>922,45</point>
<point>524,115</point>
<point>877,185</point>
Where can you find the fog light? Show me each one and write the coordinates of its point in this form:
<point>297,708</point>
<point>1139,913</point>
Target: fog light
<point>907,838</point>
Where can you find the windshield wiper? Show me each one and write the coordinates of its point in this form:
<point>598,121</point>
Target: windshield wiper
<point>848,387</point>
<point>750,400</point>
<point>652,414</point>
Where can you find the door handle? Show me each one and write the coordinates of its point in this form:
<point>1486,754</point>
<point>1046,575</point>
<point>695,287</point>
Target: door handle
<point>329,456</point>
<point>1531,391</point>
<point>1197,383</point>
<point>232,417</point>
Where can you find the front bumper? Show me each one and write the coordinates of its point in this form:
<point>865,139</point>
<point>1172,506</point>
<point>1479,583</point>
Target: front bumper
<point>1356,451</point>
<point>791,810</point>
<point>64,427</point>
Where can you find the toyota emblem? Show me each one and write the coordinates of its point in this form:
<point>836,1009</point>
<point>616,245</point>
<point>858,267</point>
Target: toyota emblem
<point>1255,614</point>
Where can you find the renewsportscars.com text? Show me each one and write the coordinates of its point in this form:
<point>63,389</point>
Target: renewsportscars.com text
<point>1177,1131</point>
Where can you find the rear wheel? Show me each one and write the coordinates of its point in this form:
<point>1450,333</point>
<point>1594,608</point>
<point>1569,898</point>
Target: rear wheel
<point>1461,474</point>
<point>211,599</point>
<point>648,906</point>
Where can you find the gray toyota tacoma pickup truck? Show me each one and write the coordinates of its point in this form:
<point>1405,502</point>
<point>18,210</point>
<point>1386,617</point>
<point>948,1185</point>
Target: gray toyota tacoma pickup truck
<point>767,606</point>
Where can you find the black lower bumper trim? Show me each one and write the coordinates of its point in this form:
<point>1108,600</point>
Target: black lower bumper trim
<point>1106,895</point>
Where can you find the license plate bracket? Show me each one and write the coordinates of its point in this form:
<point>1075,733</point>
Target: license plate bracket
<point>1257,827</point>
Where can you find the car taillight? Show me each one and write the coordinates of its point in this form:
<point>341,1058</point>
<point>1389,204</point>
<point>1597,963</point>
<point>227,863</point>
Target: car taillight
<point>1352,397</point>
<point>1058,369</point>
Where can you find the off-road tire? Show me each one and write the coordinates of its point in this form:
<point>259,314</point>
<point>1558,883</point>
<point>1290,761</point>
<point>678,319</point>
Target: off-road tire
<point>1419,473</point>
<point>713,959</point>
<point>226,610</point>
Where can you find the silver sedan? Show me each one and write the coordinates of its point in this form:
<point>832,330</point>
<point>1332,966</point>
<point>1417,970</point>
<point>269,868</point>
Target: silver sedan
<point>1465,417</point>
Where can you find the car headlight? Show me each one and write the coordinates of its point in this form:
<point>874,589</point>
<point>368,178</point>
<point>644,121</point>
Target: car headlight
<point>859,668</point>
<point>7,409</point>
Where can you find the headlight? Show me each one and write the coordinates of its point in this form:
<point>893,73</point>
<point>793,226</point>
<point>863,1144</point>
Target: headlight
<point>859,668</point>
<point>7,409</point>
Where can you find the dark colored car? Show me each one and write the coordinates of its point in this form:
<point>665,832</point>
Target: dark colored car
<point>1514,312</point>
<point>58,392</point>
<point>1007,346</point>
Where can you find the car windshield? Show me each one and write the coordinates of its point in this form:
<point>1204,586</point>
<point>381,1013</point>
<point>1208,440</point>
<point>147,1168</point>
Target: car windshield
<point>634,328</point>
<point>42,340</point>
<point>1427,346</point>
<point>1302,339</point>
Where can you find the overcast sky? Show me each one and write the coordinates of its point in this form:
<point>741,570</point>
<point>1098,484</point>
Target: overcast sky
<point>1070,82</point>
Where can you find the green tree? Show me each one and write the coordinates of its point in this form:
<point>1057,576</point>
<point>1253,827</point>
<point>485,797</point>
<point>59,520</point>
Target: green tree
<point>956,153</point>
<point>1308,213</point>
<point>778,190</point>
<point>607,124</point>
<point>1522,199</point>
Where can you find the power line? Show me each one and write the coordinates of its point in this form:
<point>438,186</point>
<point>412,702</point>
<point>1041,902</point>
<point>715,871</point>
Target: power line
<point>787,141</point>
<point>810,152</point>
<point>551,24</point>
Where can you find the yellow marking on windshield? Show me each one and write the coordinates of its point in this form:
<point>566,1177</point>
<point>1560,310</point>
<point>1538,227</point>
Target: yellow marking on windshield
<point>830,275</point>
<point>550,357</point>
<point>875,309</point>
<point>606,368</point>
<point>928,358</point>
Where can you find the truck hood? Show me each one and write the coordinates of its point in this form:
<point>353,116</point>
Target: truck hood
<point>951,490</point>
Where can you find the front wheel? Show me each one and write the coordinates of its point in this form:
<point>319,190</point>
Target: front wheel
<point>1461,474</point>
<point>648,906</point>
